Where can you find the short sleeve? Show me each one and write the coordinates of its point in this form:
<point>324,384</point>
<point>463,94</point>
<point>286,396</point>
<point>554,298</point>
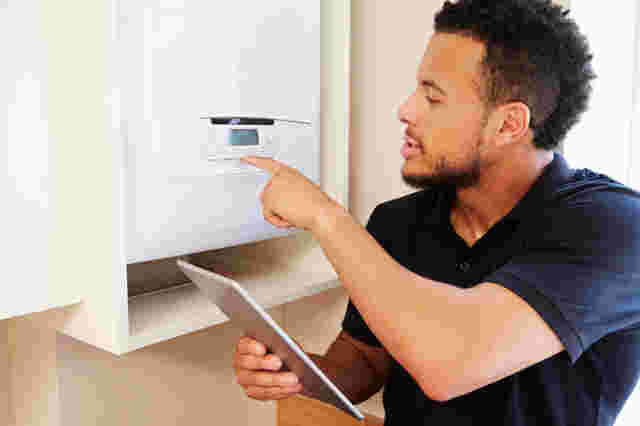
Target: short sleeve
<point>580,269</point>
<point>353,322</point>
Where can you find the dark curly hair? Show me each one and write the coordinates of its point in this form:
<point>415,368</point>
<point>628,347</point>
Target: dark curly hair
<point>535,54</point>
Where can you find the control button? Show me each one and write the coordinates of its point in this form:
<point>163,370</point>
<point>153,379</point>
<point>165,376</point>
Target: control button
<point>464,266</point>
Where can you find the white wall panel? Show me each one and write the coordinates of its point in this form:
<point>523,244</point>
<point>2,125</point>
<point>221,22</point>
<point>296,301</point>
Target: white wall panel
<point>27,158</point>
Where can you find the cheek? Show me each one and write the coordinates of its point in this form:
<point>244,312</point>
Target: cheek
<point>439,133</point>
<point>453,127</point>
<point>449,138</point>
<point>427,128</point>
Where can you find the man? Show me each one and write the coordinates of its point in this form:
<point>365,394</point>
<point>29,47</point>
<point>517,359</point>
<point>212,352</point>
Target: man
<point>506,290</point>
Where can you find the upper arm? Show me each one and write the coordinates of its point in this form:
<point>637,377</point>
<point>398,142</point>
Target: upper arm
<point>505,335</point>
<point>576,280</point>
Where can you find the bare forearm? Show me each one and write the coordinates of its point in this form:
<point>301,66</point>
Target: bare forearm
<point>396,303</point>
<point>357,385</point>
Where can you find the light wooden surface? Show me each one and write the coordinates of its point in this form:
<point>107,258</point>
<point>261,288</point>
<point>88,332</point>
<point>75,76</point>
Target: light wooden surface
<point>302,411</point>
<point>5,375</point>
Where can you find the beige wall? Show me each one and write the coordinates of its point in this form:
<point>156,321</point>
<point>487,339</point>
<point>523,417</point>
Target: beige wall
<point>189,380</point>
<point>388,43</point>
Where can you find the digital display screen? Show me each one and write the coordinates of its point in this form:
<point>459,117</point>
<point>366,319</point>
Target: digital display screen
<point>243,137</point>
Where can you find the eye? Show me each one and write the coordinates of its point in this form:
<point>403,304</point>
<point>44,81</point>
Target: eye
<point>429,96</point>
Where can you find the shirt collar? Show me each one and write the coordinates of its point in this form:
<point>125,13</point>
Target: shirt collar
<point>435,210</point>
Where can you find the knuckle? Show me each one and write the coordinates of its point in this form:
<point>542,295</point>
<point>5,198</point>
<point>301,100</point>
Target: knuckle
<point>242,346</point>
<point>279,380</point>
<point>282,380</point>
<point>240,380</point>
<point>259,380</point>
<point>255,379</point>
<point>273,360</point>
<point>238,362</point>
<point>259,348</point>
<point>268,379</point>
<point>250,391</point>
<point>241,383</point>
<point>249,362</point>
<point>272,220</point>
<point>253,363</point>
<point>244,378</point>
<point>280,394</point>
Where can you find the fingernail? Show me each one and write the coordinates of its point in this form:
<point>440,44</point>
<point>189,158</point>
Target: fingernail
<point>247,159</point>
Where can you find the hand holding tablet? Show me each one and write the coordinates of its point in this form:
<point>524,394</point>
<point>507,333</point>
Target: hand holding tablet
<point>266,336</point>
<point>258,372</point>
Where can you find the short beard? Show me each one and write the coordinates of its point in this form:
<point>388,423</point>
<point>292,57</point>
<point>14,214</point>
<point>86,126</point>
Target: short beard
<point>445,175</point>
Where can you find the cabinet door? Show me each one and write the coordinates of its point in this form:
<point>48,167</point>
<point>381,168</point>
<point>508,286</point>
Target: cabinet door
<point>27,181</point>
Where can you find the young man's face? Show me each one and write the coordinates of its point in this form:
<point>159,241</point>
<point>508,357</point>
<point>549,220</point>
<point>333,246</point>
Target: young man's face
<point>445,117</point>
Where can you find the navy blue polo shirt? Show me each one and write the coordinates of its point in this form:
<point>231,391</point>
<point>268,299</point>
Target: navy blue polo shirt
<point>571,249</point>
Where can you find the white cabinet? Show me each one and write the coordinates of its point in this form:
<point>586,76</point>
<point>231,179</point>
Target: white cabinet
<point>89,251</point>
<point>28,172</point>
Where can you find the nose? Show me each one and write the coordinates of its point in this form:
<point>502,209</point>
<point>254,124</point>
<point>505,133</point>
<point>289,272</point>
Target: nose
<point>406,110</point>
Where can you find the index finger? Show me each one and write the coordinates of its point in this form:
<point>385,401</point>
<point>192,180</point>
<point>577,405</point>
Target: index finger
<point>268,164</point>
<point>247,345</point>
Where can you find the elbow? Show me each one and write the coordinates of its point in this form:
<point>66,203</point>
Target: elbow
<point>437,395</point>
<point>447,381</point>
<point>440,393</point>
<point>436,387</point>
<point>449,384</point>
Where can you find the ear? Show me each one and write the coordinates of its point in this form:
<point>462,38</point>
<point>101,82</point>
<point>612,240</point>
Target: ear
<point>516,117</point>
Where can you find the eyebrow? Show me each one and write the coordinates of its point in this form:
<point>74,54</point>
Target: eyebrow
<point>431,83</point>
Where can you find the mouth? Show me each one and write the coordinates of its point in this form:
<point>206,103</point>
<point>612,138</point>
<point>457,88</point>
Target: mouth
<point>411,140</point>
<point>411,147</point>
<point>412,143</point>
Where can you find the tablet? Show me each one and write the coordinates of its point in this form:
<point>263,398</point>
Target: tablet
<point>236,303</point>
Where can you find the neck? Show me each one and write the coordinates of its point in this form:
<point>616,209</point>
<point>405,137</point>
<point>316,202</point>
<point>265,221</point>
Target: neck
<point>500,187</point>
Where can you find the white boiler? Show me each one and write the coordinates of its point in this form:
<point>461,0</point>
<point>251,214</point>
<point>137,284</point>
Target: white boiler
<point>201,84</point>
